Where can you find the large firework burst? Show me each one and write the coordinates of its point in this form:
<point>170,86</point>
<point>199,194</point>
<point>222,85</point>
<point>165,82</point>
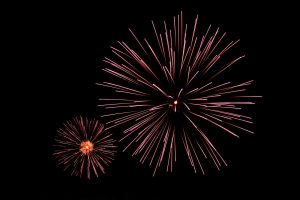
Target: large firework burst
<point>83,145</point>
<point>164,92</point>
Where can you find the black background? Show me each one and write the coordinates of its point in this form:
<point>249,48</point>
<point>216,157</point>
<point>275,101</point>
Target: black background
<point>63,46</point>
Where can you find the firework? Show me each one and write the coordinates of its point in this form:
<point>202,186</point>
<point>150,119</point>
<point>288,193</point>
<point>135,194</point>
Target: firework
<point>166,88</point>
<point>84,146</point>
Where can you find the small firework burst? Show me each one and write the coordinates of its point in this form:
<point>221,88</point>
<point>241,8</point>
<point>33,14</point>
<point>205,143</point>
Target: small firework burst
<point>84,146</point>
<point>170,89</point>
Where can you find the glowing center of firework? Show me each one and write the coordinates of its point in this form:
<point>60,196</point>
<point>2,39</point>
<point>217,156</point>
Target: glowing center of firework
<point>86,147</point>
<point>173,105</point>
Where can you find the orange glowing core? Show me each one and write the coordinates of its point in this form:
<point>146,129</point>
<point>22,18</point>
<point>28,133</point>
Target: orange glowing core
<point>86,147</point>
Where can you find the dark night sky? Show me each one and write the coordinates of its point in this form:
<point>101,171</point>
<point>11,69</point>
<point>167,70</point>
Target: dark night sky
<point>68,43</point>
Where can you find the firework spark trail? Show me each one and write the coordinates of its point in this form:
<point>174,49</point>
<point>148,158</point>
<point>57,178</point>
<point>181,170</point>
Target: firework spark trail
<point>84,146</point>
<point>174,80</point>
